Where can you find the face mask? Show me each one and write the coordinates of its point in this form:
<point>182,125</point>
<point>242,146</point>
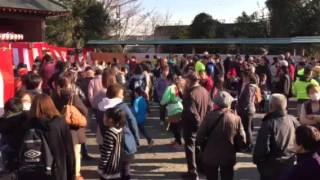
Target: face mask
<point>26,106</point>
<point>315,97</point>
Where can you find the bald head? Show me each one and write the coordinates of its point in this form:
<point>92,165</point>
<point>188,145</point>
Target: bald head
<point>277,102</point>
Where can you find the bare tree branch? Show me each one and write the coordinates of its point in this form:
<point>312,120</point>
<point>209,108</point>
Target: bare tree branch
<point>131,19</point>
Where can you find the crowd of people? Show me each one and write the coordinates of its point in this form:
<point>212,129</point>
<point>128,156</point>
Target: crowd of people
<point>208,102</point>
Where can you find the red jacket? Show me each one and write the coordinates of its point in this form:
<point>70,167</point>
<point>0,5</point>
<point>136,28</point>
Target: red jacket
<point>292,71</point>
<point>208,84</point>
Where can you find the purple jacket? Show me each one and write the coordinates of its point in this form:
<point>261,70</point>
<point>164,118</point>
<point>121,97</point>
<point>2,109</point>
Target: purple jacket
<point>161,87</point>
<point>307,168</point>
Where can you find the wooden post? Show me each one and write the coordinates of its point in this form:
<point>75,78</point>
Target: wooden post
<point>156,49</point>
<point>238,49</point>
<point>193,50</point>
<point>123,48</point>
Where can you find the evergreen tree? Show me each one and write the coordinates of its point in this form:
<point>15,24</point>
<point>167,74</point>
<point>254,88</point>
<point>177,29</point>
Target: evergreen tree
<point>88,19</point>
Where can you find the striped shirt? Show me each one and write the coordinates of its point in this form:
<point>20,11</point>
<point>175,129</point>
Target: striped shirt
<point>109,165</point>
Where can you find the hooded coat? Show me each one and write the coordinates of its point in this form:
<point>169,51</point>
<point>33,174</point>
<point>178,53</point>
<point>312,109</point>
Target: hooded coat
<point>131,132</point>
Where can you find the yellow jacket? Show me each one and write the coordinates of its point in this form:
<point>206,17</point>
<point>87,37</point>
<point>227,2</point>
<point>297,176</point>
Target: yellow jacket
<point>299,88</point>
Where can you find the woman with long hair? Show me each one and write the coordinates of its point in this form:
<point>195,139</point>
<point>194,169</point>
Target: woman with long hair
<point>63,95</point>
<point>246,105</point>
<point>45,117</point>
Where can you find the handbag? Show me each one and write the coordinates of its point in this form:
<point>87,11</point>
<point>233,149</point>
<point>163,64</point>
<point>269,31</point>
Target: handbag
<point>174,118</point>
<point>73,116</point>
<point>239,143</point>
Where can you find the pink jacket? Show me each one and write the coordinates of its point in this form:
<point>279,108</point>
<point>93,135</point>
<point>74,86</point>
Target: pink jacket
<point>47,71</point>
<point>95,86</point>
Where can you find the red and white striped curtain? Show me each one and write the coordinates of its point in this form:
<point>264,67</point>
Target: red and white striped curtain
<point>6,74</point>
<point>24,52</point>
<point>11,54</point>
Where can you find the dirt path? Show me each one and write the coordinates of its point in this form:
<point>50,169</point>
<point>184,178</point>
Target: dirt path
<point>162,161</point>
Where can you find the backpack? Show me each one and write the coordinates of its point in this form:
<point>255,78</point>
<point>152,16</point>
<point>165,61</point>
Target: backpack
<point>138,81</point>
<point>35,155</point>
<point>210,68</point>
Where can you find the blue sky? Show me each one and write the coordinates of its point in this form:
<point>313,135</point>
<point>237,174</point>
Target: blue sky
<point>186,10</point>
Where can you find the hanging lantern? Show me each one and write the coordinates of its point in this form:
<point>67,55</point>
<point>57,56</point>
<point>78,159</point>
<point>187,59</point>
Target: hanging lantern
<point>15,37</point>
<point>7,37</point>
<point>2,36</point>
<point>11,36</point>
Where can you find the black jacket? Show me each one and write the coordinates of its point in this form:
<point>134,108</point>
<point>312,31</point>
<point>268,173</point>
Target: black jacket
<point>83,85</point>
<point>275,141</point>
<point>284,85</point>
<point>78,135</point>
<point>264,69</point>
<point>12,130</point>
<point>59,138</point>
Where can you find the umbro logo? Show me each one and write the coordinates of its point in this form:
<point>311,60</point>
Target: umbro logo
<point>31,154</point>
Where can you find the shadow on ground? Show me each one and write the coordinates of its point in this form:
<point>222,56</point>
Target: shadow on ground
<point>162,161</point>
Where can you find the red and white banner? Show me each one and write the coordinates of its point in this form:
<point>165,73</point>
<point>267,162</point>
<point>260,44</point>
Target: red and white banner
<point>38,48</point>
<point>21,54</point>
<point>6,74</point>
<point>11,54</point>
<point>59,53</point>
<point>24,52</point>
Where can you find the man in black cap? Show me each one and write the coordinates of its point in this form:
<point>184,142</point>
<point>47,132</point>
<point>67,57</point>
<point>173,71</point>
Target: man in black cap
<point>196,104</point>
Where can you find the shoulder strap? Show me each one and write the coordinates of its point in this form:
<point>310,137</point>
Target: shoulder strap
<point>119,105</point>
<point>215,124</point>
<point>71,100</point>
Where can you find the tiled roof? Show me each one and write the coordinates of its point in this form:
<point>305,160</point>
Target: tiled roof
<point>42,7</point>
<point>227,41</point>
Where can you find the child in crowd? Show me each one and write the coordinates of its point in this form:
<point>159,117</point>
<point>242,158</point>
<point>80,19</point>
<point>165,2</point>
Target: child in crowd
<point>111,150</point>
<point>120,75</point>
<point>139,109</point>
<point>160,87</point>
